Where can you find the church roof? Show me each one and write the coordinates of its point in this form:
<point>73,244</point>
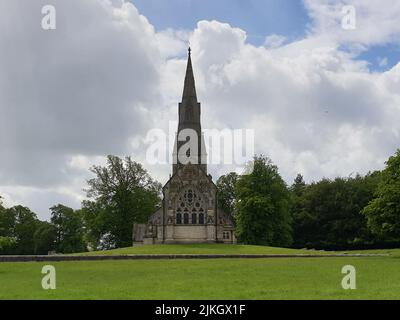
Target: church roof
<point>201,170</point>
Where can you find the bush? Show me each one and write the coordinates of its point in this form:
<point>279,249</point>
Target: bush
<point>7,245</point>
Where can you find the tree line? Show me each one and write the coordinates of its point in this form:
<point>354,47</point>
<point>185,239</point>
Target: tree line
<point>343,213</point>
<point>21,232</point>
<point>120,194</point>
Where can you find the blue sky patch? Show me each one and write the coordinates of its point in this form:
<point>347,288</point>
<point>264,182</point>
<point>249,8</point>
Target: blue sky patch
<point>382,58</point>
<point>259,18</point>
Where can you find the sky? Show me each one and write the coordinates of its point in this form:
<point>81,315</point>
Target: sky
<point>258,17</point>
<point>322,100</point>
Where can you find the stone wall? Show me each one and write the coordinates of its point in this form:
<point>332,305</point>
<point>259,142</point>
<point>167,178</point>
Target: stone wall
<point>176,256</point>
<point>138,233</point>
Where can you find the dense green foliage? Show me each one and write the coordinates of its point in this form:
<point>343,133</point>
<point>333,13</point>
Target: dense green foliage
<point>7,245</point>
<point>21,232</point>
<point>7,222</point>
<point>44,237</point>
<point>226,192</point>
<point>383,213</point>
<point>124,194</point>
<point>343,213</point>
<point>69,231</point>
<point>340,214</point>
<point>263,203</point>
<point>17,227</point>
<point>328,214</point>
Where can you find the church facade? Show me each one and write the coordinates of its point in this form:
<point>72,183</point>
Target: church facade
<point>189,211</point>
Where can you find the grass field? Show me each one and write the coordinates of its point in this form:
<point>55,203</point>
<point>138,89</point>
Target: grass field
<point>200,249</point>
<point>283,278</point>
<point>220,249</point>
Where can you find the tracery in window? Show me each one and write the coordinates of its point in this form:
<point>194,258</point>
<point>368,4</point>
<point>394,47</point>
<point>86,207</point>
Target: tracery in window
<point>190,208</point>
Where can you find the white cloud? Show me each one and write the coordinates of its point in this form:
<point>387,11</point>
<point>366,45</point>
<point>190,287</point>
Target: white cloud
<point>274,41</point>
<point>382,62</point>
<point>98,83</point>
<point>314,109</point>
<point>377,22</point>
<point>82,89</point>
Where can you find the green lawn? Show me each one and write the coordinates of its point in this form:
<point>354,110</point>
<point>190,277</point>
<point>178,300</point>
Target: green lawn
<point>200,249</point>
<point>218,249</point>
<point>283,278</point>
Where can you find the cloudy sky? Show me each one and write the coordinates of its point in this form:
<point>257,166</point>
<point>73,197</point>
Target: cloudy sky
<point>322,100</point>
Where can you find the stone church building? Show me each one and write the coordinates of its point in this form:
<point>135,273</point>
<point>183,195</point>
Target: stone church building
<point>189,211</point>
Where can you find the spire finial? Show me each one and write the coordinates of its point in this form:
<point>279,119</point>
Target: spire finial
<point>189,90</point>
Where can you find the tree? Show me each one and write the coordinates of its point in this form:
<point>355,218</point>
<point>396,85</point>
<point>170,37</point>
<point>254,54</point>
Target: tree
<point>383,212</point>
<point>44,238</point>
<point>263,203</point>
<point>226,192</point>
<point>69,230</point>
<point>298,185</point>
<point>126,194</point>
<point>98,223</point>
<point>327,214</point>
<point>7,245</point>
<point>22,233</point>
<point>7,222</point>
<point>25,227</point>
<point>301,218</point>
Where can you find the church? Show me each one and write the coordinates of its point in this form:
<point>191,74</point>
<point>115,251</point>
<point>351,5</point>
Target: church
<point>189,211</point>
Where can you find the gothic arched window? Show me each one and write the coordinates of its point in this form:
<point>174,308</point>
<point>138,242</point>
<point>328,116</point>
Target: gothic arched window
<point>201,217</point>
<point>186,218</point>
<point>194,216</point>
<point>190,207</point>
<point>178,217</point>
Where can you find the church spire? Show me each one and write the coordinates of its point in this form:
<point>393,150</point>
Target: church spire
<point>189,90</point>
<point>189,118</point>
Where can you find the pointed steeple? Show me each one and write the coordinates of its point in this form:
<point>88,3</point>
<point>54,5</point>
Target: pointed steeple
<point>189,90</point>
<point>189,118</point>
